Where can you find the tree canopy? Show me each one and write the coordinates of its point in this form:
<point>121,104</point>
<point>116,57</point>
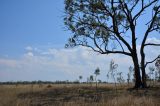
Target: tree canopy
<point>109,27</point>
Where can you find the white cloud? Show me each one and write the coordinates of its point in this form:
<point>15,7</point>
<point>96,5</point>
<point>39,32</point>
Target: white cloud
<point>153,40</point>
<point>29,48</point>
<point>62,64</point>
<point>29,54</point>
<point>152,51</point>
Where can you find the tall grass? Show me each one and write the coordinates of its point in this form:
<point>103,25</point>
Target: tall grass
<point>9,93</point>
<point>118,101</point>
<point>54,95</point>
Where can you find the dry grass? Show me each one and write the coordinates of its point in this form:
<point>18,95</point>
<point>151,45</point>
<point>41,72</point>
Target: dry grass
<point>8,93</point>
<point>76,95</point>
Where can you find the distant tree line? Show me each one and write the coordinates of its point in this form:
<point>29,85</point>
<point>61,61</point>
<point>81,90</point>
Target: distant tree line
<point>43,82</point>
<point>152,76</point>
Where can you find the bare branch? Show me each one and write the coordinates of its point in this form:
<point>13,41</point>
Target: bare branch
<point>117,52</point>
<point>143,8</point>
<point>135,4</point>
<point>95,42</point>
<point>106,52</point>
<point>125,12</point>
<point>152,61</point>
<point>154,29</point>
<point>115,28</point>
<point>89,47</point>
<point>151,44</point>
<point>149,29</point>
<point>119,43</point>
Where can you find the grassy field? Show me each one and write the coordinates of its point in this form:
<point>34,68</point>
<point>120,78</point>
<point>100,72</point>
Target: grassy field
<point>77,95</point>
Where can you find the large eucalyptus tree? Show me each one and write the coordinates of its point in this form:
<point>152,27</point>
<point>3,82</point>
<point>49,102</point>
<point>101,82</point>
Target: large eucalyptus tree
<point>109,27</point>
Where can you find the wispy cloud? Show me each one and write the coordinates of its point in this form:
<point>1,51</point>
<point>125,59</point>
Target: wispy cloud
<point>61,64</point>
<point>153,40</point>
<point>29,48</point>
<point>8,63</point>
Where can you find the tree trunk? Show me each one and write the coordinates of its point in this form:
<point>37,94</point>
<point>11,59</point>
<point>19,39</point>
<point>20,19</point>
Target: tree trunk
<point>138,82</point>
<point>144,84</point>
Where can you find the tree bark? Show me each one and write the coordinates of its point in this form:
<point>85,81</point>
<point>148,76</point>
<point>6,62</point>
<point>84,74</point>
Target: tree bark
<point>144,84</point>
<point>138,82</point>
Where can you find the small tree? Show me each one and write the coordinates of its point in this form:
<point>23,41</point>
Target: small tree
<point>97,72</point>
<point>157,64</point>
<point>91,78</point>
<point>131,69</point>
<point>151,72</point>
<point>88,80</point>
<point>156,76</point>
<point>80,78</point>
<point>147,77</point>
<point>107,77</point>
<point>113,71</point>
<point>120,78</point>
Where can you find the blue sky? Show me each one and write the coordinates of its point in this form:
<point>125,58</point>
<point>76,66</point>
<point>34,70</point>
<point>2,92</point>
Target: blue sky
<point>30,22</point>
<point>32,39</point>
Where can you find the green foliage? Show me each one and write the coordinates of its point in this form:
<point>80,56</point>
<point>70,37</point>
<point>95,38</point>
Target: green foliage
<point>97,19</point>
<point>97,71</point>
<point>87,19</point>
<point>91,78</point>
<point>80,77</point>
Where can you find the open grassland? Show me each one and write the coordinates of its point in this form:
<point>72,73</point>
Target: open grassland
<point>77,95</point>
